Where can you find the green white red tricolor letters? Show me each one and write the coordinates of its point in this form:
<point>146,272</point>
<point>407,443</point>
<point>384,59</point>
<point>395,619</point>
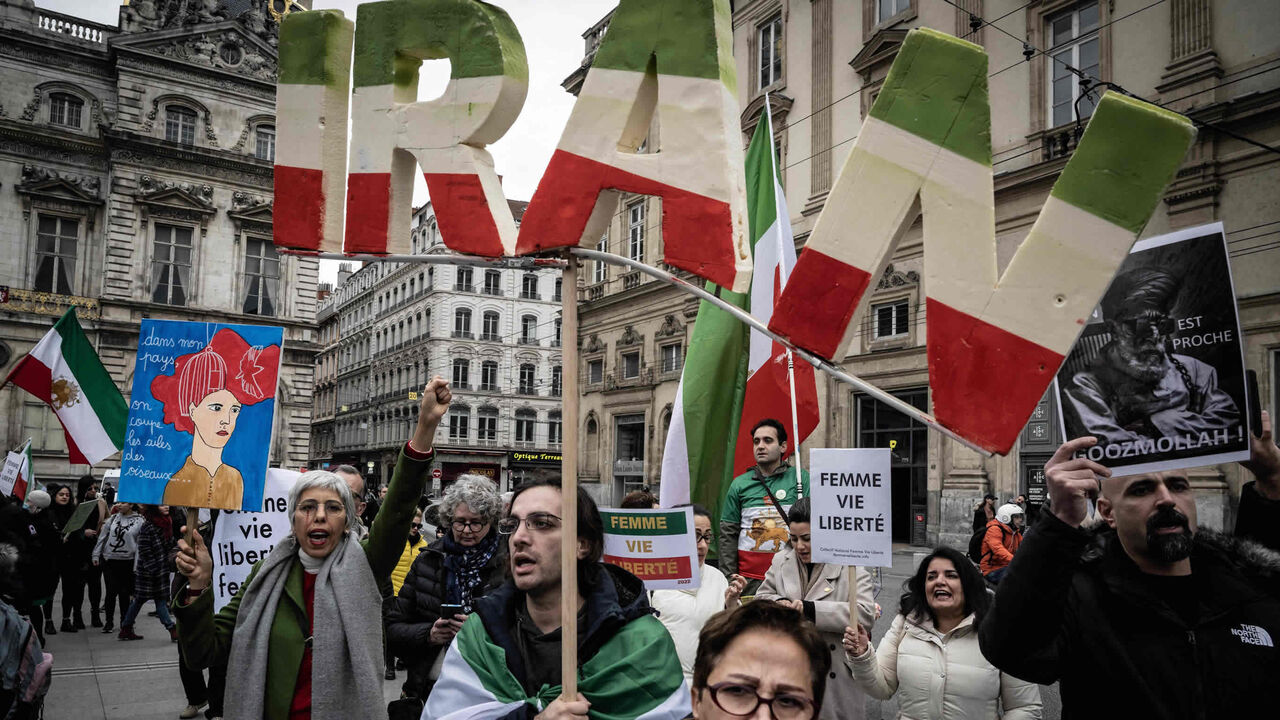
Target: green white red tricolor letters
<point>994,340</point>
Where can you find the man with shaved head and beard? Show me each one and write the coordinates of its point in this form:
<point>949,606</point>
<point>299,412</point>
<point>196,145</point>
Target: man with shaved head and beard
<point>1146,616</point>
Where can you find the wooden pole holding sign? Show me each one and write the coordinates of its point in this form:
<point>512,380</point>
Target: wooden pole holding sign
<point>569,484</point>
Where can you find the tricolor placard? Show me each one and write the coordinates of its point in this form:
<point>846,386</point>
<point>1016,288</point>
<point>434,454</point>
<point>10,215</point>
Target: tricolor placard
<point>657,546</point>
<point>994,340</point>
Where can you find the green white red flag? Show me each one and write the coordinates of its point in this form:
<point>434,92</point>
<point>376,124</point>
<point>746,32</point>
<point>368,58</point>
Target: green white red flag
<point>64,371</point>
<point>726,381</point>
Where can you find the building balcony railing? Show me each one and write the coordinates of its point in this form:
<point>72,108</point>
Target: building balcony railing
<point>74,27</point>
<point>613,381</point>
<point>528,341</point>
<point>492,337</point>
<point>1059,142</point>
<point>524,443</point>
<point>463,335</point>
<point>631,280</point>
<point>464,288</point>
<point>497,292</point>
<point>488,387</point>
<point>47,303</point>
<point>527,390</point>
<point>529,296</point>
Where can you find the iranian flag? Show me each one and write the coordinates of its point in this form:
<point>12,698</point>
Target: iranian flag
<point>727,385</point>
<point>64,372</point>
<point>769,387</point>
<point>15,478</point>
<point>634,676</point>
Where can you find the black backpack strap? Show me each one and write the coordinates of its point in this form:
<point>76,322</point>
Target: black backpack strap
<point>774,501</point>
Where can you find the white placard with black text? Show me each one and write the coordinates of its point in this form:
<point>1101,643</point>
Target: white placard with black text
<point>850,520</point>
<point>241,539</point>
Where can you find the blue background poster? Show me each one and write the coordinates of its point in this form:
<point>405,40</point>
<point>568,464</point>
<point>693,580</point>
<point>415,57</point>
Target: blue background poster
<point>201,414</point>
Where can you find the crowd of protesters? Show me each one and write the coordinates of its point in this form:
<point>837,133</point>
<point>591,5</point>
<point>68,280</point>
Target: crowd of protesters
<point>1117,596</point>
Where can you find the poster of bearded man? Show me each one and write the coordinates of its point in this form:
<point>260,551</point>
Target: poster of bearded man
<point>1158,374</point>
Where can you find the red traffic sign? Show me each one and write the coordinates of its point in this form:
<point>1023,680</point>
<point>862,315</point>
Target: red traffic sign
<point>437,473</point>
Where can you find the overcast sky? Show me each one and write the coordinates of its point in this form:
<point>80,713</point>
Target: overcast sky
<point>552,32</point>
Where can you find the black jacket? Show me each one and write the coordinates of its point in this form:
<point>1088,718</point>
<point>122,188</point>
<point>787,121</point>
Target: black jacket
<point>613,598</point>
<point>1074,608</point>
<point>417,607</point>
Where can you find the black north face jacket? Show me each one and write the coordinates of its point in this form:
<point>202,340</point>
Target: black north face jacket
<point>1074,608</point>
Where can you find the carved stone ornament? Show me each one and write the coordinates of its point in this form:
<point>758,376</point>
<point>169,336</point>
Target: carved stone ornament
<point>594,344</point>
<point>250,212</point>
<point>670,327</point>
<point>893,278</point>
<point>175,201</point>
<point>36,177</point>
<point>227,50</point>
<point>630,337</point>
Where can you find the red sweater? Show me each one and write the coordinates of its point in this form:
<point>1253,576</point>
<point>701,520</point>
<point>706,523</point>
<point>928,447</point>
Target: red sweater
<point>300,708</point>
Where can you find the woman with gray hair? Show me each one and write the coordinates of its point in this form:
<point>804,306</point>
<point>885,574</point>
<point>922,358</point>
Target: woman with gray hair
<point>302,637</point>
<point>446,578</point>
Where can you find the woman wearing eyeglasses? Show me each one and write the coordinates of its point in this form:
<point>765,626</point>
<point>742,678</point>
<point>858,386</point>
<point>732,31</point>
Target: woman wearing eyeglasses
<point>302,637</point>
<point>445,579</point>
<point>684,612</point>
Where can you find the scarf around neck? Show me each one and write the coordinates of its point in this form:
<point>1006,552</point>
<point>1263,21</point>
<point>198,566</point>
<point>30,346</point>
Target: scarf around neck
<point>465,567</point>
<point>346,680</point>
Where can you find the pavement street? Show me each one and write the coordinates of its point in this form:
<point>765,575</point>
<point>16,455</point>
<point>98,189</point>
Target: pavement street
<point>97,677</point>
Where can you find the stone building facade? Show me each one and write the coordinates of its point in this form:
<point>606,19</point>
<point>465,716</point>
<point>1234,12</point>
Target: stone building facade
<point>494,333</point>
<point>136,182</point>
<point>819,65</point>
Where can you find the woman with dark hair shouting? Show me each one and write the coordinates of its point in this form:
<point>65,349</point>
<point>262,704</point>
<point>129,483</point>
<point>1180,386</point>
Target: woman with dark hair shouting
<point>930,655</point>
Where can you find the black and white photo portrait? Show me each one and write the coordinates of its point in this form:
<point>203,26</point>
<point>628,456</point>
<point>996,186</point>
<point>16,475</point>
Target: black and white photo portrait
<point>1158,374</point>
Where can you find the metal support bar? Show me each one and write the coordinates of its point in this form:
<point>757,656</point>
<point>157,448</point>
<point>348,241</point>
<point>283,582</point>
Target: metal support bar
<point>826,367</point>
<point>517,263</point>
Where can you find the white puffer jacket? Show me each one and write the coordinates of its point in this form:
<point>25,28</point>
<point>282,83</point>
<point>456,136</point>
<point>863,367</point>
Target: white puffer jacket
<point>941,677</point>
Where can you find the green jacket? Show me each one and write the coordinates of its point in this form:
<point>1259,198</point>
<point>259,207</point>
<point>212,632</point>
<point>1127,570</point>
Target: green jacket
<point>206,637</point>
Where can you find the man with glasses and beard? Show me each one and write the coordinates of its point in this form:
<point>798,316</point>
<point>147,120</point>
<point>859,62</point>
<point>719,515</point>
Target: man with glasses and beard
<point>1148,616</point>
<point>1136,389</point>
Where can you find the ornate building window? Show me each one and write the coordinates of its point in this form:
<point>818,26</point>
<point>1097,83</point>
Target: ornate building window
<point>262,277</point>
<point>528,330</point>
<point>461,373</point>
<point>489,376</point>
<point>171,264</point>
<point>56,239</point>
<point>1073,40</point>
<point>595,372</point>
<point>601,270</point>
<point>525,421</point>
<point>671,357</point>
<point>462,323</point>
<point>529,287</point>
<point>487,424</point>
<point>527,379</point>
<point>769,52</point>
<point>265,145</point>
<point>179,125</point>
<point>887,9</point>
<point>635,230</point>
<point>459,422</point>
<point>462,280</point>
<point>891,319</point>
<point>555,427</point>
<point>492,282</point>
<point>65,109</point>
<point>557,375</point>
<point>631,365</point>
<point>489,328</point>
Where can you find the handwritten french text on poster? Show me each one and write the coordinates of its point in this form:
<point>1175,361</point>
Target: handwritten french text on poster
<point>852,503</point>
<point>241,539</point>
<point>201,414</point>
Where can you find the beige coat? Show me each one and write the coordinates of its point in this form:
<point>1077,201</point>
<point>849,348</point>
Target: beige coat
<point>828,590</point>
<point>942,677</point>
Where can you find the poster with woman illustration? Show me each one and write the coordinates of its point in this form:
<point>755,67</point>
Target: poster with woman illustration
<point>201,415</point>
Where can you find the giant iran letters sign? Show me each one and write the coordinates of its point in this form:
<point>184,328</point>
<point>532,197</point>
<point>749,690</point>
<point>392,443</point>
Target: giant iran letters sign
<point>670,54</point>
<point>994,340</point>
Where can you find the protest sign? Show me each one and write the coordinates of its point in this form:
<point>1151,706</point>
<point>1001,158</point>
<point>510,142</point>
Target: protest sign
<point>1158,374</point>
<point>9,473</point>
<point>241,539</point>
<point>657,546</point>
<point>851,518</point>
<point>201,414</point>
